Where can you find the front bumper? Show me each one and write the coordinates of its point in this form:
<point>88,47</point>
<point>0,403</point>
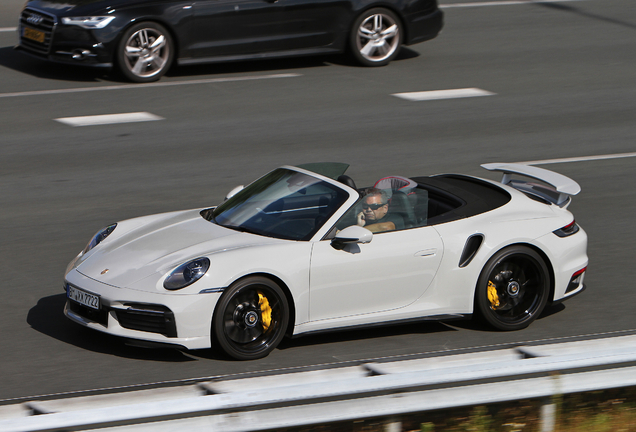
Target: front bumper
<point>63,44</point>
<point>165,318</point>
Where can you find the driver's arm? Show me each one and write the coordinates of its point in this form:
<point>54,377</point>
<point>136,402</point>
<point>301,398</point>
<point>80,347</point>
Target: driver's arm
<point>381,227</point>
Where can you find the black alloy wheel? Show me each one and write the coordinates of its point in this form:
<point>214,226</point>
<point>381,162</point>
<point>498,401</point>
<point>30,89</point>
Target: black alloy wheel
<point>145,52</point>
<point>376,37</point>
<point>251,318</point>
<point>513,288</point>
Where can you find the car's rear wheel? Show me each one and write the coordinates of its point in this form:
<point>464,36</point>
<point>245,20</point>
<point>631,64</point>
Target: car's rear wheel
<point>145,52</point>
<point>376,37</point>
<point>513,288</point>
<point>251,318</point>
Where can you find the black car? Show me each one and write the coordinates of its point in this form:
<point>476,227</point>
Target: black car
<point>144,37</point>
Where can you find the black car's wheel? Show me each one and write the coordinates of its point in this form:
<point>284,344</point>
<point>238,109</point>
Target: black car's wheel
<point>251,318</point>
<point>376,37</point>
<point>513,288</point>
<point>145,52</point>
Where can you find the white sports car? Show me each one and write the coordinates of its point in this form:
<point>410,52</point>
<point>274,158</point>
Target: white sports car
<point>303,250</point>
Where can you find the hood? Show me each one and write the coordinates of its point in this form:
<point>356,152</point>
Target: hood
<point>159,245</point>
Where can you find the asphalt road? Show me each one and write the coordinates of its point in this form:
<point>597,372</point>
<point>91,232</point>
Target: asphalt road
<point>564,78</point>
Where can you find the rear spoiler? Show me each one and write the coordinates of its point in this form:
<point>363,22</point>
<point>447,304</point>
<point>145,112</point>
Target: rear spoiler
<point>562,187</point>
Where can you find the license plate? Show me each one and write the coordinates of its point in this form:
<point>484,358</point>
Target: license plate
<point>82,297</point>
<point>32,34</point>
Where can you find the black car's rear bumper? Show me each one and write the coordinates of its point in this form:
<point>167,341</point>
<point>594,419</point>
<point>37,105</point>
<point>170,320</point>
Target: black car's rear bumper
<point>423,26</point>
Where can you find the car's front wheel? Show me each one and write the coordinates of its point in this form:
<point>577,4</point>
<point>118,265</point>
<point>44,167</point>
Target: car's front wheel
<point>513,288</point>
<point>376,37</point>
<point>145,52</point>
<point>251,318</point>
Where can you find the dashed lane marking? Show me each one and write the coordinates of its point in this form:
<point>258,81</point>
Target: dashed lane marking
<point>443,94</point>
<point>109,119</point>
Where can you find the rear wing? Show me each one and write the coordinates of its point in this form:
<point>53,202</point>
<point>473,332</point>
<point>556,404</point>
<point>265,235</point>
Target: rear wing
<point>562,187</point>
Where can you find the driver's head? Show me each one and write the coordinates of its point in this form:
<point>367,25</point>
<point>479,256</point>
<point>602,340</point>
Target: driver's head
<point>375,205</point>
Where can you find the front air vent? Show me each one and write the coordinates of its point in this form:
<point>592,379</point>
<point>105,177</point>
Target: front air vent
<point>147,318</point>
<point>99,316</point>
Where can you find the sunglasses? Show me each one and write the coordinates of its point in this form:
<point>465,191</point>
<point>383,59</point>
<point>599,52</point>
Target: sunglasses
<point>371,206</point>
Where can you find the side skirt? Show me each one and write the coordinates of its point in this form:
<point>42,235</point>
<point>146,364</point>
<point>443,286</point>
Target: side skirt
<point>445,317</point>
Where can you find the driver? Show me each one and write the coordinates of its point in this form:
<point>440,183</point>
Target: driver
<point>375,213</point>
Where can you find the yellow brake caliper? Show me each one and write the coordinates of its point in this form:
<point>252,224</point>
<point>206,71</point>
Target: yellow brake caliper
<point>266,311</point>
<point>492,295</point>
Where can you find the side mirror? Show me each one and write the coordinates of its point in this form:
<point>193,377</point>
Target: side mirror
<point>351,235</point>
<point>233,192</point>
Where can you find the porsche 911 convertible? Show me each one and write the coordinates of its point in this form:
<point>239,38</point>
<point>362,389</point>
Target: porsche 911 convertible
<point>303,250</point>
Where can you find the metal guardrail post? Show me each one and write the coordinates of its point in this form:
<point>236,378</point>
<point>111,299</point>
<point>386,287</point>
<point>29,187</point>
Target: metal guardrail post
<point>550,405</point>
<point>393,425</point>
<point>548,415</point>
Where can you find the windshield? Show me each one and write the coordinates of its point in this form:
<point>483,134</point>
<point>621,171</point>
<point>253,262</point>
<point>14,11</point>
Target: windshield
<point>283,204</point>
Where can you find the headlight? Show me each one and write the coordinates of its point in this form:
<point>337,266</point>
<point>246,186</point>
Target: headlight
<point>88,22</point>
<point>186,274</point>
<point>99,237</point>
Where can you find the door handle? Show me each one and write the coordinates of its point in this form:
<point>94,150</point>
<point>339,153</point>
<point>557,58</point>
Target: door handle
<point>425,253</point>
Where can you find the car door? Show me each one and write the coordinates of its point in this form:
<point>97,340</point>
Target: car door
<point>390,272</point>
<point>234,27</point>
<point>314,23</point>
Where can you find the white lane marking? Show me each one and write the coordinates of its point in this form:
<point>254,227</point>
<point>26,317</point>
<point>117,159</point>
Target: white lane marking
<point>149,85</point>
<point>580,159</point>
<point>109,119</point>
<point>8,29</point>
<point>501,3</point>
<point>443,94</point>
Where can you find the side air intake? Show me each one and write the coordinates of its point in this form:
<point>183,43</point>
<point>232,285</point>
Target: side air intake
<point>470,249</point>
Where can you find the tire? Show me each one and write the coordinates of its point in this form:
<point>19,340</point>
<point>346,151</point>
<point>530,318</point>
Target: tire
<point>513,288</point>
<point>376,37</point>
<point>145,52</point>
<point>240,323</point>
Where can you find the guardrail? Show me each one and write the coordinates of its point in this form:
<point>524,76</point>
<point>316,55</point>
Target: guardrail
<point>370,390</point>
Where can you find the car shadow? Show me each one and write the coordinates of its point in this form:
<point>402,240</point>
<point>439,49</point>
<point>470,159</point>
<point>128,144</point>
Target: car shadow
<point>26,64</point>
<point>47,317</point>
<point>376,332</point>
<point>551,309</point>
<point>482,326</point>
<point>270,65</point>
<point>265,65</point>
